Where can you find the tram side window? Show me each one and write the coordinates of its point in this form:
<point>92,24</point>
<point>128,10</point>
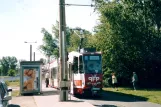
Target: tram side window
<point>75,65</point>
<point>80,64</point>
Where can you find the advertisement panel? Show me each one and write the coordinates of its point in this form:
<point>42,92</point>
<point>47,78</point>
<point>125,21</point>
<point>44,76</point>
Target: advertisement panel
<point>30,79</point>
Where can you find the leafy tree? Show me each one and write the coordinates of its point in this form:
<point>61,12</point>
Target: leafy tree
<point>72,39</point>
<point>43,60</point>
<point>129,40</point>
<point>1,70</point>
<point>8,63</point>
<point>49,43</point>
<point>11,72</point>
<point>55,31</point>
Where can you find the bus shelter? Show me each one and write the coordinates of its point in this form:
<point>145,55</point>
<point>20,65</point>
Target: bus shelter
<point>30,77</point>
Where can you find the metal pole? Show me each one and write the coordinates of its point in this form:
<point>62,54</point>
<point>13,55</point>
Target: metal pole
<point>34,56</point>
<point>62,50</point>
<point>30,52</point>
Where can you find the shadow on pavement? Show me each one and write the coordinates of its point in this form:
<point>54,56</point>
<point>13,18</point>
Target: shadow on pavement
<point>116,96</point>
<point>75,101</point>
<point>13,105</point>
<point>44,93</point>
<point>105,106</point>
<point>48,93</point>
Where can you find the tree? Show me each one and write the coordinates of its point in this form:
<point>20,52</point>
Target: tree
<point>1,70</point>
<point>129,40</point>
<point>72,39</point>
<point>49,43</point>
<point>11,72</point>
<point>43,60</point>
<point>8,63</point>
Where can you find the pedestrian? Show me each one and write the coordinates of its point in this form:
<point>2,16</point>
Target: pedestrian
<point>134,80</point>
<point>47,79</point>
<point>114,81</point>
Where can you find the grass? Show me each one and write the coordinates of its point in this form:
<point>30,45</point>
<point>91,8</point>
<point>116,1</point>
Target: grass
<point>15,93</point>
<point>14,84</point>
<point>152,95</point>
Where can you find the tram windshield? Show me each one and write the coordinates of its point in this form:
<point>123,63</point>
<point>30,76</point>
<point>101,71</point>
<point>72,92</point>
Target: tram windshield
<point>92,63</point>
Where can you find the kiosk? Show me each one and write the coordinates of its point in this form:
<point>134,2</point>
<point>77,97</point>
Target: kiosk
<point>30,77</point>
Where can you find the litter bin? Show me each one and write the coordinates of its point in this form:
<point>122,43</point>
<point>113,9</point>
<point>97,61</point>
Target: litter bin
<point>30,77</point>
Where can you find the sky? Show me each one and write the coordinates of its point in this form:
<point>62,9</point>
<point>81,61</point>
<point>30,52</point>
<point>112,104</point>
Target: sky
<point>22,20</point>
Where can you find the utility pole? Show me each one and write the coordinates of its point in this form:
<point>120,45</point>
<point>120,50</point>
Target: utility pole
<point>62,51</point>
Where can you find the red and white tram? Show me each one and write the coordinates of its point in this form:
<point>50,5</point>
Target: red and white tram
<point>84,72</point>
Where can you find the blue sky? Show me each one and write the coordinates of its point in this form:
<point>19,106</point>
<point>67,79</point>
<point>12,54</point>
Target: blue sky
<point>22,20</point>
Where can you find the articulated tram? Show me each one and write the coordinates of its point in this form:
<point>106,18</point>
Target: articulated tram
<point>84,72</point>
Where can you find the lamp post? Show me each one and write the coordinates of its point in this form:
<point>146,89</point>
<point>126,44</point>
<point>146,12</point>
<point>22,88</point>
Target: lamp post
<point>30,48</point>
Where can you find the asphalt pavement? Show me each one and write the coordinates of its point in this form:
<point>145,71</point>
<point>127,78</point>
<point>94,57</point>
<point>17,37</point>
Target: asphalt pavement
<point>111,99</point>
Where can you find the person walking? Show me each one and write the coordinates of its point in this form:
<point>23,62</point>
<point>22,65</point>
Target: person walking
<point>114,81</point>
<point>47,79</point>
<point>134,80</point>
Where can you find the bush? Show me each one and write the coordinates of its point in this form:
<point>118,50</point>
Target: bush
<point>11,72</point>
<point>107,82</point>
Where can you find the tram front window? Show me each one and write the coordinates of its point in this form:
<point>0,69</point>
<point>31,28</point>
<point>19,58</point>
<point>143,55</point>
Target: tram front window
<point>92,64</point>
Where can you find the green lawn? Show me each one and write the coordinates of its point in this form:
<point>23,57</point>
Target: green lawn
<point>14,84</point>
<point>152,95</point>
<point>15,93</point>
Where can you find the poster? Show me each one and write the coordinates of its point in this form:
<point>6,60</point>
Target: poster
<point>30,79</point>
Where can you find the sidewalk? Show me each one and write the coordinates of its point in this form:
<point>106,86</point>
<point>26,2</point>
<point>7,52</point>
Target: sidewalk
<point>50,98</point>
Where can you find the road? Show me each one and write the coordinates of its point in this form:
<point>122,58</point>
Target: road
<point>111,99</point>
<point>10,78</point>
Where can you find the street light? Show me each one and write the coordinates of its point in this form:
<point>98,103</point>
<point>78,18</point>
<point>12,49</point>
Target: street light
<point>81,32</point>
<point>31,49</point>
